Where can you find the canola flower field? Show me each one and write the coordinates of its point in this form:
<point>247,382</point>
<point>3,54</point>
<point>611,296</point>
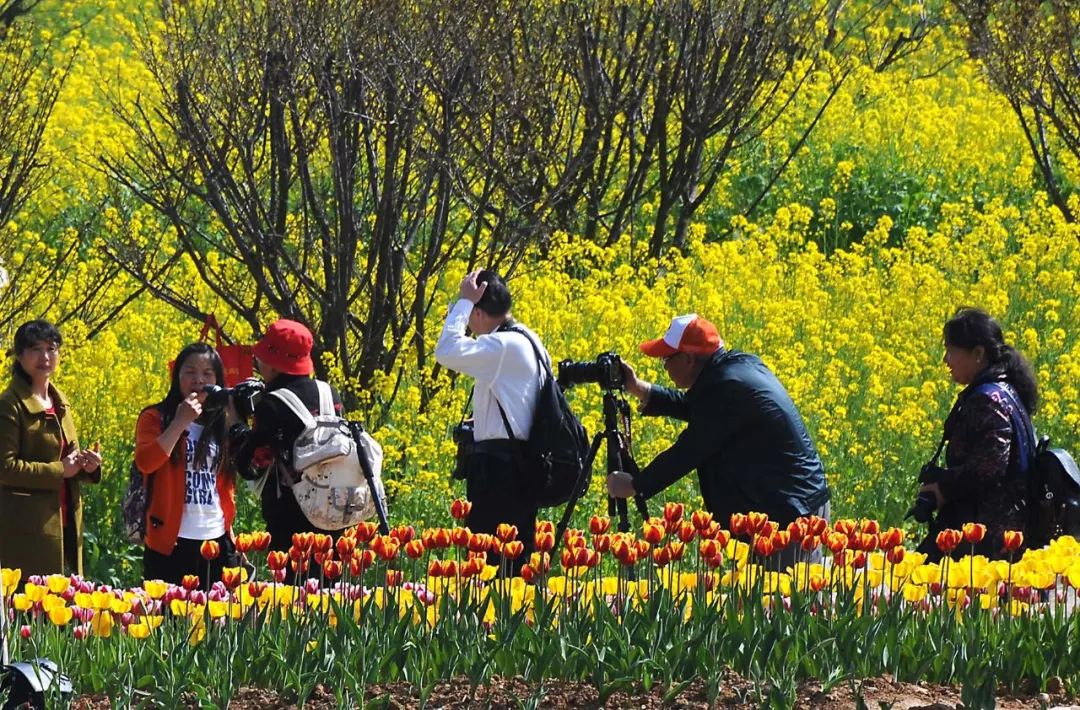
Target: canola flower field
<point>915,194</point>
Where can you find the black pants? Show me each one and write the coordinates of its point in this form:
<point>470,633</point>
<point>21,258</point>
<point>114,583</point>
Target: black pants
<point>186,558</point>
<point>499,494</point>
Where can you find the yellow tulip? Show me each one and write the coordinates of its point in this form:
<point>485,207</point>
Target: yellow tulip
<point>155,588</point>
<point>120,606</point>
<point>9,580</point>
<point>21,602</point>
<point>914,592</point>
<point>35,592</point>
<point>57,583</point>
<point>101,600</point>
<point>61,615</point>
<point>102,624</point>
<point>51,602</point>
<point>138,631</point>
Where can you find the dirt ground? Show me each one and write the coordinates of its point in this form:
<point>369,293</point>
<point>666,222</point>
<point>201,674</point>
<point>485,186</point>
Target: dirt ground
<point>876,693</point>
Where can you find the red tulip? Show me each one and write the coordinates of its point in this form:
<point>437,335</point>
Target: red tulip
<point>948,539</point>
<point>893,537</point>
<point>332,569</point>
<point>244,542</point>
<point>322,543</point>
<point>513,549</point>
<point>871,527</point>
<point>1013,540</point>
<point>673,512</point>
<point>895,555</point>
<point>652,533</point>
<point>845,526</point>
<point>233,577</point>
<point>974,533</point>
<point>602,543</point>
<point>210,549</point>
<point>506,532</point>
<point>780,540</point>
<point>414,549</point>
<point>598,525</point>
<point>460,536</point>
<point>545,541</point>
<point>346,546</point>
<point>686,531</point>
<point>366,531</point>
<point>190,582</point>
<point>740,524</point>
<point>276,559</point>
<point>303,540</point>
<point>763,546</point>
<point>756,521</point>
<point>262,540</point>
<point>459,509</point>
<point>701,519</point>
<point>403,533</point>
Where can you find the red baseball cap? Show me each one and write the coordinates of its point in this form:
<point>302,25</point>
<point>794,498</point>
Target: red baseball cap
<point>286,347</point>
<point>686,334</point>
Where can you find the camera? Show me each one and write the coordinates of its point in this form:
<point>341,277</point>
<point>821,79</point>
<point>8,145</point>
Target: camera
<point>605,371</point>
<point>466,444</point>
<point>243,395</point>
<point>925,503</point>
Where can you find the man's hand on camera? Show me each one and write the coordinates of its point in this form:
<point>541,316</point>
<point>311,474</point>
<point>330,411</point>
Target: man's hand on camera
<point>634,385</point>
<point>935,490</point>
<point>620,485</point>
<point>470,290</point>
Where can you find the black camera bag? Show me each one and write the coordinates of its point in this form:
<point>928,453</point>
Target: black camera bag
<point>558,446</point>
<point>1054,494</point>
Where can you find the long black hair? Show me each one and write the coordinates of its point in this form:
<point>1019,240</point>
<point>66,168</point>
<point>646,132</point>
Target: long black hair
<point>30,334</point>
<point>213,424</point>
<point>973,327</point>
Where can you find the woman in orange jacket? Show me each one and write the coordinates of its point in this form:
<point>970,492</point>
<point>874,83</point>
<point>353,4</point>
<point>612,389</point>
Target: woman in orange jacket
<point>180,449</point>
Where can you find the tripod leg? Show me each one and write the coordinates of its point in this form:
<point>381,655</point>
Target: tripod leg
<point>579,488</point>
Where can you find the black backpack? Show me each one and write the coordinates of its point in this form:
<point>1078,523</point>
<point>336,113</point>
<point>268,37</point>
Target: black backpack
<point>554,455</point>
<point>1053,495</point>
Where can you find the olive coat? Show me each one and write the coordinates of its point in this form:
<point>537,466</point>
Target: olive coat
<point>31,478</point>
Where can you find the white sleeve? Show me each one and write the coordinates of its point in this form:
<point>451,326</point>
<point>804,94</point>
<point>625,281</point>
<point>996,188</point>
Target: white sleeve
<point>479,357</point>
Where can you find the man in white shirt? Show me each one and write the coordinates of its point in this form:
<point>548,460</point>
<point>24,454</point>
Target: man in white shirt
<point>508,378</point>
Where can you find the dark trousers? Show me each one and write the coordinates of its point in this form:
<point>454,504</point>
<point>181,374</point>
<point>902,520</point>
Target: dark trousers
<point>499,494</point>
<point>186,558</point>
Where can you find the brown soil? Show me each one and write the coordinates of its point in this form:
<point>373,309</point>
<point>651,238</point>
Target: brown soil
<point>735,692</point>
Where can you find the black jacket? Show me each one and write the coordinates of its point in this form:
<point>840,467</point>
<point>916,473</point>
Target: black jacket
<point>273,433</point>
<point>745,438</point>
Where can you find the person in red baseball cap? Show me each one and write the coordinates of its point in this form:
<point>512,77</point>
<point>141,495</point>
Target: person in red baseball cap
<point>264,451</point>
<point>744,436</point>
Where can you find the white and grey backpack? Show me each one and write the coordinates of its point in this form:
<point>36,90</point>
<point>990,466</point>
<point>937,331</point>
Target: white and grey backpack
<point>332,489</point>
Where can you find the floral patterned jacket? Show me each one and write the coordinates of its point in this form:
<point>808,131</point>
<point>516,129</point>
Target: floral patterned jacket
<point>981,481</point>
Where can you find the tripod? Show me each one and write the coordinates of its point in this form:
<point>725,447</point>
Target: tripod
<point>619,458</point>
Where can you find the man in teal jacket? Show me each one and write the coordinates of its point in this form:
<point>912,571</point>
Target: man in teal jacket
<point>743,435</point>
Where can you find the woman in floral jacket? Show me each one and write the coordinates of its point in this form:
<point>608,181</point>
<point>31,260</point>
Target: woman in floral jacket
<point>990,439</point>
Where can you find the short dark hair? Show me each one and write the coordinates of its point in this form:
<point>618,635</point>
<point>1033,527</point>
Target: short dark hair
<point>496,300</point>
<point>31,333</point>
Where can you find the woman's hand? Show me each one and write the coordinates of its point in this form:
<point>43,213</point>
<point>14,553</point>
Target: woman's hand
<point>89,460</point>
<point>190,408</point>
<point>72,463</point>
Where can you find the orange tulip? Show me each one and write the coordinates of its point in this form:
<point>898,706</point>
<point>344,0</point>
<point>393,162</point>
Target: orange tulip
<point>661,556</point>
<point>893,537</point>
<point>701,519</point>
<point>686,531</point>
<point>722,538</point>
<point>460,536</point>
<point>256,589</point>
<point>403,533</point>
<point>974,533</point>
<point>437,539</point>
<point>598,525</point>
<point>948,539</point>
<point>460,509</point>
<point>276,559</point>
<point>233,577</point>
<point>545,541</point>
<point>322,543</point>
<point>809,543</point>
<point>870,527</point>
<point>262,541</point>
<point>346,546</point>
<point>303,541</point>
<point>245,542</point>
<point>711,530</point>
<point>797,530</point>
<point>210,549</point>
<point>673,512</point>
<point>480,542</point>
<point>394,577</point>
<point>190,582</point>
<point>366,531</point>
<point>895,555</point>
<point>763,546</point>
<point>513,549</point>
<point>414,549</point>
<point>780,540</point>
<point>1013,540</point>
<point>529,575</point>
<point>740,524</point>
<point>756,521</point>
<point>845,526</point>
<point>602,543</point>
<point>652,533</point>
<point>836,542</point>
<point>816,525</point>
<point>385,547</point>
<point>506,532</point>
<point>299,566</point>
<point>332,569</point>
<point>545,526</point>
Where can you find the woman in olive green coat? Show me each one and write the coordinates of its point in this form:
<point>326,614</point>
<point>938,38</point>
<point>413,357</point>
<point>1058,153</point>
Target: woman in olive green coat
<point>41,464</point>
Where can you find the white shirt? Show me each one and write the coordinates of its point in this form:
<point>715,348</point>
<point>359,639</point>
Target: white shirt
<point>202,518</point>
<point>504,366</point>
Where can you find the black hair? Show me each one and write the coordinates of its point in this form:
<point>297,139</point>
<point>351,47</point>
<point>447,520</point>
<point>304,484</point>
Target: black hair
<point>30,334</point>
<point>973,327</point>
<point>214,429</point>
<point>496,300</point>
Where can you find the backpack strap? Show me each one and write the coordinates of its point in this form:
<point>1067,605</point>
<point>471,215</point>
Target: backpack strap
<point>296,406</point>
<point>326,399</point>
<point>1025,433</point>
<point>544,367</point>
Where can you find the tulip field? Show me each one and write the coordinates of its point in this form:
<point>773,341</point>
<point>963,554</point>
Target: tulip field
<point>683,597</point>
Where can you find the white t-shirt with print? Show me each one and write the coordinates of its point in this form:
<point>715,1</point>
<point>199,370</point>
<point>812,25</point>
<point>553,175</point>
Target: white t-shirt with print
<point>202,518</point>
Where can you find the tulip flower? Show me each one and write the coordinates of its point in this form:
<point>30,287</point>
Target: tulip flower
<point>61,615</point>
<point>322,543</point>
<point>210,549</point>
<point>780,540</point>
<point>460,509</point>
<point>366,531</point>
<point>262,541</point>
<point>598,525</point>
<point>394,577</point>
<point>233,577</point>
<point>974,533</point>
<point>245,542</point>
<point>701,519</point>
<point>652,533</point>
<point>513,549</point>
<point>1013,540</point>
<point>403,533</point>
<point>846,526</point>
<point>602,543</point>
<point>948,539</point>
<point>414,549</point>
<point>816,525</point>
<point>276,559</point>
<point>303,541</point>
<point>673,512</point>
<point>708,549</point>
<point>756,521</point>
<point>686,531</point>
<point>763,546</point>
<point>385,547</point>
<point>190,582</point>
<point>661,556</point>
<point>345,547</point>
<point>545,541</point>
<point>506,532</point>
<point>895,555</point>
<point>893,537</point>
<point>460,536</point>
<point>480,542</point>
<point>870,527</point>
<point>740,524</point>
<point>24,631</point>
<point>797,530</point>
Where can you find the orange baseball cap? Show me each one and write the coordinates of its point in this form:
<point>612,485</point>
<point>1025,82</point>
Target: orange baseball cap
<point>686,334</point>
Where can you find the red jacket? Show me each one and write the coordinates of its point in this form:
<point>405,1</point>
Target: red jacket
<point>170,483</point>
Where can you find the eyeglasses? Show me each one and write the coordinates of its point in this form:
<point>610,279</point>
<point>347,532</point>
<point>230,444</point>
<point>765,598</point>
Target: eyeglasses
<point>667,358</point>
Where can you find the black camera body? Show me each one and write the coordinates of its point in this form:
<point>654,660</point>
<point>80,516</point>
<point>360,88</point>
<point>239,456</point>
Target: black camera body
<point>925,503</point>
<point>465,439</point>
<point>243,395</point>
<point>605,371</point>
